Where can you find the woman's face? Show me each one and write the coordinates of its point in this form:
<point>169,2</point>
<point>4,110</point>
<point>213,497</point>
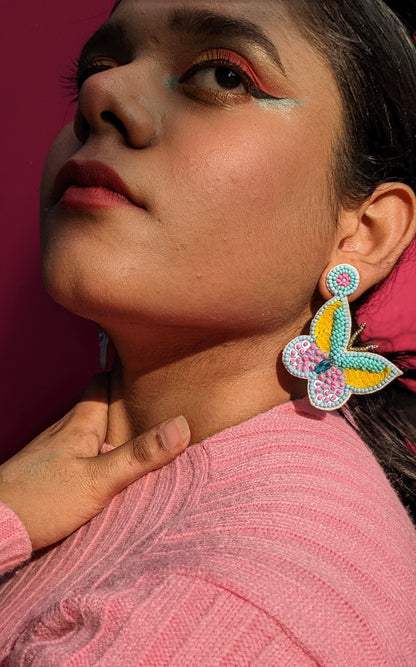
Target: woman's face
<point>220,120</point>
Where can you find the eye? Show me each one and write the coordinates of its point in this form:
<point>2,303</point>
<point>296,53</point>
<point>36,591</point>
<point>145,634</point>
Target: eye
<point>221,72</point>
<point>219,77</point>
<point>82,69</point>
<point>87,68</point>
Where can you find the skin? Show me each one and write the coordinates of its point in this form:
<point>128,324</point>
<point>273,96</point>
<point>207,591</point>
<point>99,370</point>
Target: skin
<point>221,269</point>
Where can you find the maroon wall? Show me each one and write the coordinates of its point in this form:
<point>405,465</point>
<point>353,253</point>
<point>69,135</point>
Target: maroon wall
<point>47,355</point>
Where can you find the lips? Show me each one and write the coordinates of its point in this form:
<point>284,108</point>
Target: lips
<point>93,176</point>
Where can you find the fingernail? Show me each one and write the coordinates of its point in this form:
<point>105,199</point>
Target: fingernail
<point>174,433</point>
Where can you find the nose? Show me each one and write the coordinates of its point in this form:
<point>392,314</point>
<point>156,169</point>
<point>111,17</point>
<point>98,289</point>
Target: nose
<point>109,102</point>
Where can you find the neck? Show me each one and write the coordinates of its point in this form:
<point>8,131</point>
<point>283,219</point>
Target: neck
<point>216,385</point>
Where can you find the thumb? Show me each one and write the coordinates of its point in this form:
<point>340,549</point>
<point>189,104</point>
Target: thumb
<point>94,401</point>
<point>123,465</point>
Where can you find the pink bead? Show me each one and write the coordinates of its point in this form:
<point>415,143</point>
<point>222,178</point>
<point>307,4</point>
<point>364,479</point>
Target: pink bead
<point>343,280</point>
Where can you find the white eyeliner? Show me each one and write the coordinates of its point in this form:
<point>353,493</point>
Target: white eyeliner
<point>284,104</point>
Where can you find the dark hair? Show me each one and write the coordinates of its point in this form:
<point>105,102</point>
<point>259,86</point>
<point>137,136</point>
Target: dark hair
<point>373,58</point>
<point>374,62</point>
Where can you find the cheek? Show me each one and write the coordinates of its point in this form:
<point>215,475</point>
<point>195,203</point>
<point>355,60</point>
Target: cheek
<point>263,189</point>
<point>243,217</point>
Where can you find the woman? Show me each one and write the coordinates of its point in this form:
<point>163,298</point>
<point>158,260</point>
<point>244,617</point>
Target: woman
<point>221,163</point>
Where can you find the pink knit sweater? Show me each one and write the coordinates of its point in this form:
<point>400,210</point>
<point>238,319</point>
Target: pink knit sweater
<point>276,542</point>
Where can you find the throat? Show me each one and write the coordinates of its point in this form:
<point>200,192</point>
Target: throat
<point>210,394</point>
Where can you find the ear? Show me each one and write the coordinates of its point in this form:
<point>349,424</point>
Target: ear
<point>373,236</point>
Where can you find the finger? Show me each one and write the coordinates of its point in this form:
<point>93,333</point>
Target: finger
<point>97,390</point>
<point>92,407</point>
<point>120,467</point>
<point>85,426</point>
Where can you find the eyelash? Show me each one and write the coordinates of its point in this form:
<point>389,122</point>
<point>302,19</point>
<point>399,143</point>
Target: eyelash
<point>83,68</point>
<point>231,60</point>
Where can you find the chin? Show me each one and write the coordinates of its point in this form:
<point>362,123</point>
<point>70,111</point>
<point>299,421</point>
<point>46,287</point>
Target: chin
<point>69,288</point>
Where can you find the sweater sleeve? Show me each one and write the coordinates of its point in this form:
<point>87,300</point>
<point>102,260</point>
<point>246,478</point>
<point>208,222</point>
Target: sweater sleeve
<point>182,621</point>
<point>15,544</point>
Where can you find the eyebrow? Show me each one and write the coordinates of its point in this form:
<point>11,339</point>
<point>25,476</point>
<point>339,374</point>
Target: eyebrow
<point>201,23</point>
<point>196,22</point>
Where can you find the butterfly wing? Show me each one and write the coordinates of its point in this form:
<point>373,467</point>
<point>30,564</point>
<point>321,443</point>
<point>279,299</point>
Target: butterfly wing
<point>366,372</point>
<point>331,326</point>
<point>328,391</point>
<point>298,357</point>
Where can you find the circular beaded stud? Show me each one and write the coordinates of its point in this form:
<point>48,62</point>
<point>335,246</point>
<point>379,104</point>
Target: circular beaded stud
<point>343,280</point>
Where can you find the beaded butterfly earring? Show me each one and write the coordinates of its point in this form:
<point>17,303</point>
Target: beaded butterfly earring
<point>327,358</point>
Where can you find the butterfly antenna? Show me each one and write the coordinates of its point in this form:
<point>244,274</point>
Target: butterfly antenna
<point>357,334</point>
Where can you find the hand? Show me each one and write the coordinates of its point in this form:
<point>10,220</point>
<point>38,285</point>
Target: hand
<point>58,482</point>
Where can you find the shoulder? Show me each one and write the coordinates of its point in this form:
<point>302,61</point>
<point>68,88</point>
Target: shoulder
<point>295,448</point>
<point>295,475</point>
<point>313,470</point>
<point>298,518</point>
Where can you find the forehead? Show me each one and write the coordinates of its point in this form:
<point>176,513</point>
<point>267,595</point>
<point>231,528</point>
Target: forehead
<point>261,11</point>
<point>248,4</point>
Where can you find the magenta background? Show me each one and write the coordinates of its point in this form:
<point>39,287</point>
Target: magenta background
<point>47,354</point>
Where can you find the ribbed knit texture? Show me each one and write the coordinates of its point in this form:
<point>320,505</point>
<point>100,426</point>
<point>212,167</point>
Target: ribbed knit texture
<point>276,542</point>
<point>15,544</point>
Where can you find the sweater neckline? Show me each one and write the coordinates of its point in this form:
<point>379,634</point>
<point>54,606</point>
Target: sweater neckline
<point>298,408</point>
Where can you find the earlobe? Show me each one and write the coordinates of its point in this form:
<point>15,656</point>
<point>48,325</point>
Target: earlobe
<point>373,236</point>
